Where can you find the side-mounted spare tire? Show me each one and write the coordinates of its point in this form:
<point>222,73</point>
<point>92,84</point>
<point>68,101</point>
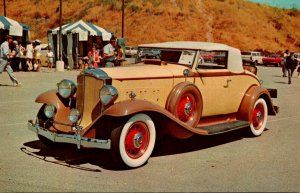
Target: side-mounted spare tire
<point>185,103</point>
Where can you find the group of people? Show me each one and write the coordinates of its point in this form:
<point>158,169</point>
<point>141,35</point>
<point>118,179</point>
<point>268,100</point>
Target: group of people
<point>112,55</point>
<point>289,65</point>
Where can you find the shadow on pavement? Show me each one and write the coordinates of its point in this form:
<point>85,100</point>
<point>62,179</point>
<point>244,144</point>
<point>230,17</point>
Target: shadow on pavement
<point>6,85</point>
<point>69,156</point>
<point>281,82</point>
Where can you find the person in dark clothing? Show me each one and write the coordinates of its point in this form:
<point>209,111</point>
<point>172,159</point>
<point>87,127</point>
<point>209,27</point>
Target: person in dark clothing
<point>291,64</point>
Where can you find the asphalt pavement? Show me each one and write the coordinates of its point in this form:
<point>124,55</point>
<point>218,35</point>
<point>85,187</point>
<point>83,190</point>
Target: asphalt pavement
<point>229,162</point>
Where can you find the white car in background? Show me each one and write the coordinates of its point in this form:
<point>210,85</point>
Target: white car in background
<point>252,57</point>
<point>131,51</point>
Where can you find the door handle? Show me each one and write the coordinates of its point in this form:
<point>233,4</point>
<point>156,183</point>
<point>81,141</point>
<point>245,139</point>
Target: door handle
<point>227,83</point>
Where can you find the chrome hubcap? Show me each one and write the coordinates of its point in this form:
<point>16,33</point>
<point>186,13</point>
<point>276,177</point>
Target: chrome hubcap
<point>138,140</point>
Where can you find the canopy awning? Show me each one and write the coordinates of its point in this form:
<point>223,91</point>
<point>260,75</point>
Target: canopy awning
<point>15,28</point>
<point>84,29</point>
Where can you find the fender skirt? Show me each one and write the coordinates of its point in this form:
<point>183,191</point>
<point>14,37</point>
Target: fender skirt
<point>252,94</point>
<point>162,118</point>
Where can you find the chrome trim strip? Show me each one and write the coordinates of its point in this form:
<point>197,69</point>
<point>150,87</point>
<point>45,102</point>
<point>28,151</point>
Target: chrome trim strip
<point>67,138</point>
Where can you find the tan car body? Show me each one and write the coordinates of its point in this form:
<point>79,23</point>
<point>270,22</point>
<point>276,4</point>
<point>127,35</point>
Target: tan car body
<point>156,96</point>
<point>154,83</point>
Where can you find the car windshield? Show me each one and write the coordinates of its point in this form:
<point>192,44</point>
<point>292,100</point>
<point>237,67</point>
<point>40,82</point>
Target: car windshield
<point>183,57</point>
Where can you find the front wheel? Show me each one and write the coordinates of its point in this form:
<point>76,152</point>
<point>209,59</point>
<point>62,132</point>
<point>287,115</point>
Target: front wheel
<point>259,117</point>
<point>133,143</point>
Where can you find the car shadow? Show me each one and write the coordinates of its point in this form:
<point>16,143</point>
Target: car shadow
<point>6,85</point>
<point>281,82</point>
<point>69,156</point>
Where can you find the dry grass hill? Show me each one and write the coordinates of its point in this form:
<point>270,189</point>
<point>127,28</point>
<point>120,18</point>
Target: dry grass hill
<point>239,23</point>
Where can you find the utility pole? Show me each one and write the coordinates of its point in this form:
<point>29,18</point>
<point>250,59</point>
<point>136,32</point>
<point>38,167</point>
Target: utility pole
<point>4,8</point>
<point>60,62</point>
<point>122,18</point>
<point>60,34</point>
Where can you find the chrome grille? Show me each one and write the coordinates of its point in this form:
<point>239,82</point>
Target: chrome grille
<point>87,98</point>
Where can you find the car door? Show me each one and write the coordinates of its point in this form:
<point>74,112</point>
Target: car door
<point>217,85</point>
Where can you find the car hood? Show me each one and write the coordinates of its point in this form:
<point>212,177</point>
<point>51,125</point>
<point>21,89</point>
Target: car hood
<point>144,71</point>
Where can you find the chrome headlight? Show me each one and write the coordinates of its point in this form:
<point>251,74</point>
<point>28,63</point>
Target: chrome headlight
<point>108,94</point>
<point>66,88</point>
<point>49,111</point>
<point>74,115</point>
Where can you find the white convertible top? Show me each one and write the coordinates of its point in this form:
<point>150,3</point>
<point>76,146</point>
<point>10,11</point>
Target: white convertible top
<point>234,55</point>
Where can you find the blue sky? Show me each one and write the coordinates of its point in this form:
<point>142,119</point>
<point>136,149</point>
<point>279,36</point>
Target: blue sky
<point>281,3</point>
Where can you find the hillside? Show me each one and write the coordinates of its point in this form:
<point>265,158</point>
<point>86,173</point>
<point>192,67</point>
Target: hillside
<point>239,23</point>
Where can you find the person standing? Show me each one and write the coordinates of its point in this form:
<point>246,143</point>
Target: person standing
<point>15,57</point>
<point>37,55</point>
<point>109,53</point>
<point>285,55</point>
<point>50,57</point>
<point>29,55</point>
<point>5,55</point>
<point>291,64</point>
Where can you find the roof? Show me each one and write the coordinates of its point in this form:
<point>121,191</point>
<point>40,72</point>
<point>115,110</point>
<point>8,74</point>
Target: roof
<point>6,23</point>
<point>189,45</point>
<point>234,54</point>
<point>80,25</point>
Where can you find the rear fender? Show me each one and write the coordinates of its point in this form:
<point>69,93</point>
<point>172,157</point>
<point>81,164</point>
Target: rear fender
<point>164,121</point>
<point>249,100</point>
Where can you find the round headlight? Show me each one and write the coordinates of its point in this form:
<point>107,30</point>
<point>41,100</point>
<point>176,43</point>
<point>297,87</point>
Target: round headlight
<point>66,88</point>
<point>74,115</point>
<point>49,111</point>
<point>108,94</point>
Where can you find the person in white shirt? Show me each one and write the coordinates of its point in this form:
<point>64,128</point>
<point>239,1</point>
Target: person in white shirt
<point>109,53</point>
<point>50,59</point>
<point>29,55</point>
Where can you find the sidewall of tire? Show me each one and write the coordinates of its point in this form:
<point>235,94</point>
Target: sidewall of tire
<point>143,159</point>
<point>260,131</point>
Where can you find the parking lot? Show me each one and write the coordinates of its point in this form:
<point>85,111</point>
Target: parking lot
<point>227,162</point>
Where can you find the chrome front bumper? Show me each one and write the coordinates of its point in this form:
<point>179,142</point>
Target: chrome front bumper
<point>67,138</point>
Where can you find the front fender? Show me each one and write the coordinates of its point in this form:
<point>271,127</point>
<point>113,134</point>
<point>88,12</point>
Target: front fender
<point>62,107</point>
<point>123,110</point>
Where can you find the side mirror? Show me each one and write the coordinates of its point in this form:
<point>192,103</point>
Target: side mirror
<point>187,72</point>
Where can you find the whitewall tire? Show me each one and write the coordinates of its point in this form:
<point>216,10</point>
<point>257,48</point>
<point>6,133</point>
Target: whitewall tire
<point>134,142</point>
<point>259,117</point>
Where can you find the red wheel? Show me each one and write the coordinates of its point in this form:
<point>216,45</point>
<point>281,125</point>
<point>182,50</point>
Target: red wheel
<point>186,107</point>
<point>137,140</point>
<point>133,143</point>
<point>259,117</point>
<point>185,102</point>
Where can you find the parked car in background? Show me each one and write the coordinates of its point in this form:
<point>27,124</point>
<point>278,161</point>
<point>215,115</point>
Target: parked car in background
<point>147,53</point>
<point>125,109</point>
<point>274,59</point>
<point>131,51</point>
<point>252,57</point>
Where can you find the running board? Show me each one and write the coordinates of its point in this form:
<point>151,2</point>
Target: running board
<point>224,127</point>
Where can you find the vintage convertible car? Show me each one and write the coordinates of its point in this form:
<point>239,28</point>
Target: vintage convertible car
<point>124,109</point>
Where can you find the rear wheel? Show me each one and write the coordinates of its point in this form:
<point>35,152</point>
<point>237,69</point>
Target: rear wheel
<point>259,117</point>
<point>133,143</point>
